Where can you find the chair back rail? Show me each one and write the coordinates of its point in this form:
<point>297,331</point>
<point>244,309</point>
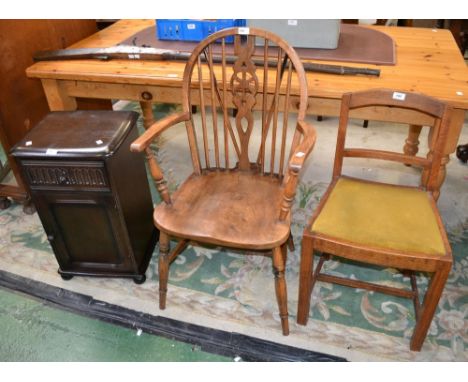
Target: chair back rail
<point>431,164</point>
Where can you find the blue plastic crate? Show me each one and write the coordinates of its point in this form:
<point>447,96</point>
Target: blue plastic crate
<point>212,26</point>
<point>168,29</point>
<point>193,30</point>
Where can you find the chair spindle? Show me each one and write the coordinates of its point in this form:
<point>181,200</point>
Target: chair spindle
<point>203,112</point>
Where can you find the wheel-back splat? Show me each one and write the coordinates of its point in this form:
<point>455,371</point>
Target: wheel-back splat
<point>244,85</point>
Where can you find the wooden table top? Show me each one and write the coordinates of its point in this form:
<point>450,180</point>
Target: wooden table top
<point>428,61</point>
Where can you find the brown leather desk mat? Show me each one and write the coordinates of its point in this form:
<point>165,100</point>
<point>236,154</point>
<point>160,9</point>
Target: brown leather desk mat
<point>356,44</point>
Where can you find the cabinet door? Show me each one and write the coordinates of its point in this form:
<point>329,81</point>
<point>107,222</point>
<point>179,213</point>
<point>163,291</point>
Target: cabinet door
<point>86,231</point>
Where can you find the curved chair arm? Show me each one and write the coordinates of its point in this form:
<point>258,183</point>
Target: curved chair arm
<point>144,140</point>
<point>296,162</point>
<point>303,150</point>
<point>142,144</point>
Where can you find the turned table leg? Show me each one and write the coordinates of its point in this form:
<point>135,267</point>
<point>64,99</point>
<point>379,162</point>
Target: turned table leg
<point>456,124</point>
<point>147,110</point>
<point>411,146</point>
<point>442,174</point>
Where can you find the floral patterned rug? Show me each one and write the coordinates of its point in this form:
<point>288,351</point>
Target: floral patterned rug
<point>231,291</point>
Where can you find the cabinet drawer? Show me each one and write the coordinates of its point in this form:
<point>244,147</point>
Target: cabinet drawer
<point>53,175</point>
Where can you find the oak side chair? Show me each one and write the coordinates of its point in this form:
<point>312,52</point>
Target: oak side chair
<point>245,202</point>
<point>381,224</point>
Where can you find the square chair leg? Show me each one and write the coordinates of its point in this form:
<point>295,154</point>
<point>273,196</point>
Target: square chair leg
<point>431,300</point>
<point>305,280</point>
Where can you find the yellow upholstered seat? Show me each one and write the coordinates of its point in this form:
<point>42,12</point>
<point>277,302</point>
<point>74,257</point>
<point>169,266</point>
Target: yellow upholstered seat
<point>381,215</point>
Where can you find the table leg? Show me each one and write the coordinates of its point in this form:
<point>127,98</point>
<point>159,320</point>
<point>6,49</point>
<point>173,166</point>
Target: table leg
<point>56,96</point>
<point>147,110</point>
<point>456,124</point>
<point>411,146</point>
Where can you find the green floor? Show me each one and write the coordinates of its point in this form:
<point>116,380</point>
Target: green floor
<point>33,331</point>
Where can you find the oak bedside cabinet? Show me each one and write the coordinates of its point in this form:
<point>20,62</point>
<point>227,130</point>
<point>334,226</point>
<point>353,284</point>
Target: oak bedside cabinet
<point>91,193</point>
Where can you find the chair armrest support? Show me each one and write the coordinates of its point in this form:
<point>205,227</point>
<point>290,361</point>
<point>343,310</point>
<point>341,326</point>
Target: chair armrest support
<point>296,162</point>
<point>302,151</point>
<point>158,176</point>
<point>144,140</point>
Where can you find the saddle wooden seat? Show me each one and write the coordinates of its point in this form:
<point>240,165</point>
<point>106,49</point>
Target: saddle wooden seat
<point>229,208</point>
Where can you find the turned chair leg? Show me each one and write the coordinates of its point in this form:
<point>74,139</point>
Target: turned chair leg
<point>431,300</point>
<point>147,111</point>
<point>280,288</point>
<point>284,254</point>
<point>305,281</point>
<point>163,268</point>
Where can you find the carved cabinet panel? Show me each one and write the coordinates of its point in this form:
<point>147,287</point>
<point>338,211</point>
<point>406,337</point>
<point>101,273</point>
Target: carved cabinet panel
<point>82,228</point>
<point>65,175</point>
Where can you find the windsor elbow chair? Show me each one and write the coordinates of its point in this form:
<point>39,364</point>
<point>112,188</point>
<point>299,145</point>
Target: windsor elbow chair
<point>381,224</point>
<point>240,192</point>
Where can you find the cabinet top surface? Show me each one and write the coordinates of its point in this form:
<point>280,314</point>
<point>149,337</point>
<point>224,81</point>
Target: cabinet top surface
<point>76,134</point>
